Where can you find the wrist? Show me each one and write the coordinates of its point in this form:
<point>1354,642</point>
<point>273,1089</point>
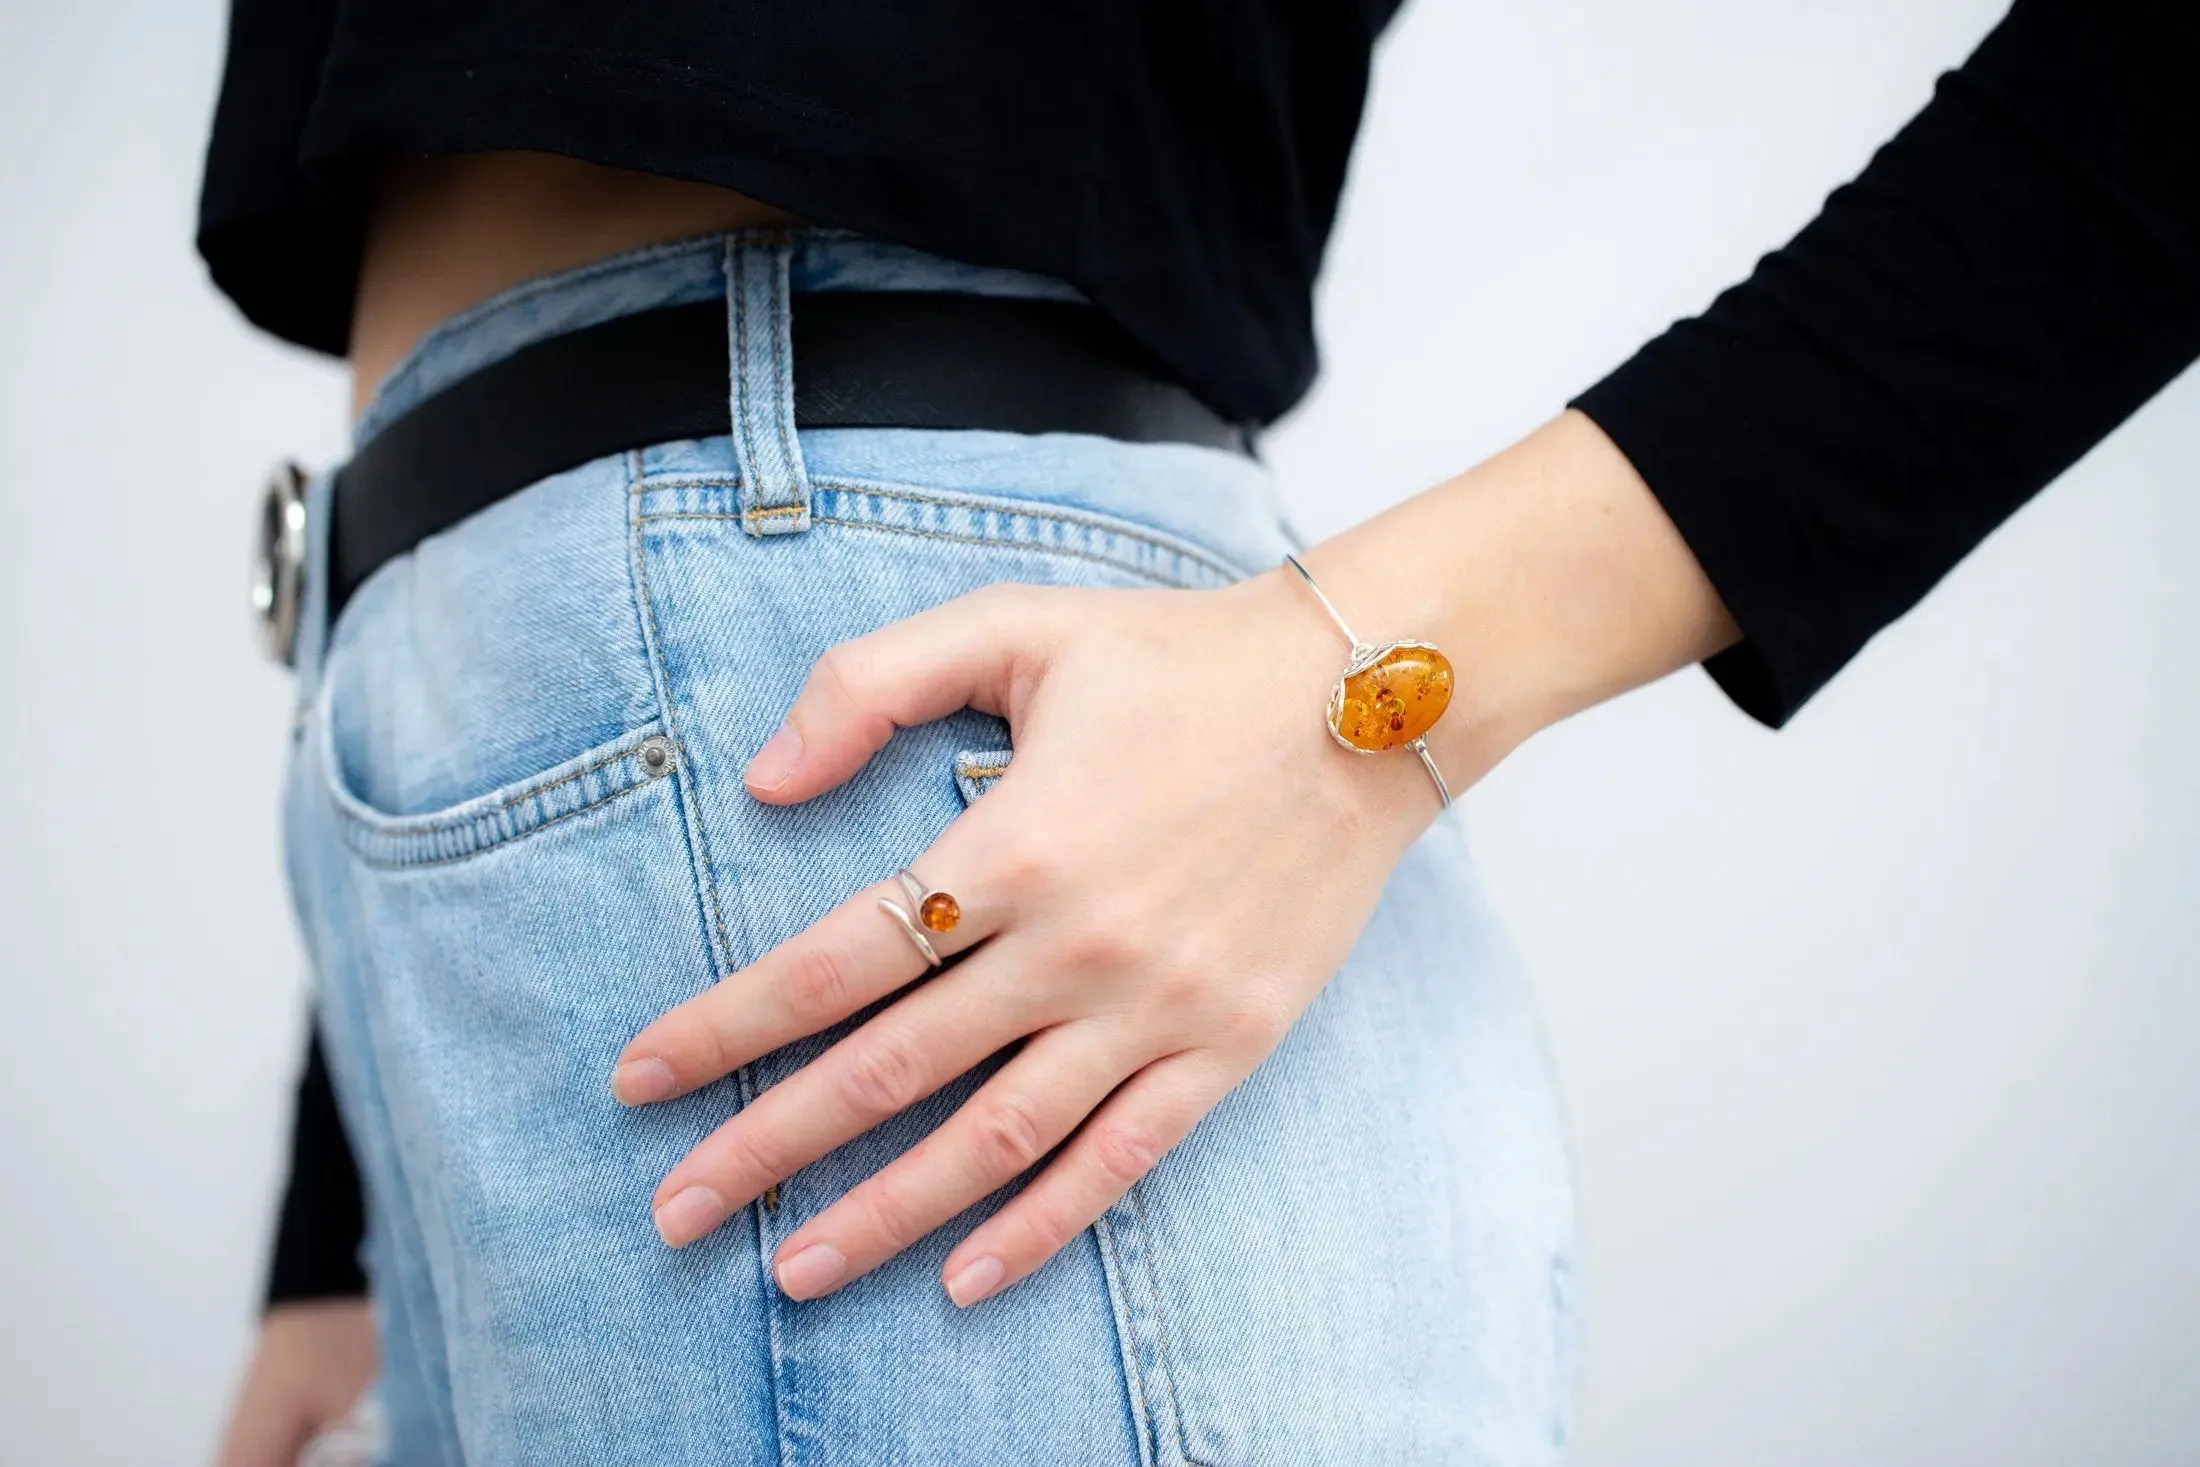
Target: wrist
<point>1362,707</point>
<point>1549,577</point>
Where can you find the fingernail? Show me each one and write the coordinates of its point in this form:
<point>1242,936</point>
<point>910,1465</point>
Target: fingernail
<point>638,1082</point>
<point>812,1271</point>
<point>774,763</point>
<point>975,1281</point>
<point>692,1212</point>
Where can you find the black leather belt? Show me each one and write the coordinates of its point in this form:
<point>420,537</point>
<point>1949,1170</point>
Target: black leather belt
<point>861,360</point>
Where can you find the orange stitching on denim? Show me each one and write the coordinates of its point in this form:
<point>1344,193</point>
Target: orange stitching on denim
<point>1117,562</point>
<point>691,810</point>
<point>1031,509</point>
<point>784,432</point>
<point>1160,1319</point>
<point>665,481</point>
<point>406,826</point>
<point>1134,1370</point>
<point>737,300</point>
<point>399,863</point>
<point>1066,517</point>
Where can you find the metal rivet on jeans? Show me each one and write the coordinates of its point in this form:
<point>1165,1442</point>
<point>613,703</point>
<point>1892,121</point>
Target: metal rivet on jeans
<point>656,754</point>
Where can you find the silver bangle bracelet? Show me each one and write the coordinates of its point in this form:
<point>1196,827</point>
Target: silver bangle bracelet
<point>1389,695</point>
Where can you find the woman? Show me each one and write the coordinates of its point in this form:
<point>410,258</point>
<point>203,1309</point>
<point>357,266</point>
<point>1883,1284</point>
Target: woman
<point>840,934</point>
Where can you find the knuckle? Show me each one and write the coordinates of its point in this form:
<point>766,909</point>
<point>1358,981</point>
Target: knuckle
<point>884,1076</point>
<point>1127,1150</point>
<point>712,1035</point>
<point>1249,1021</point>
<point>1046,1227</point>
<point>893,1218</point>
<point>817,986</point>
<point>1009,1139</point>
<point>845,667</point>
<point>1107,941</point>
<point>1020,864</point>
<point>1182,987</point>
<point>751,1153</point>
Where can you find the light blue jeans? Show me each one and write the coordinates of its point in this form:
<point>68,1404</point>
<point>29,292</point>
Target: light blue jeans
<point>1363,1255</point>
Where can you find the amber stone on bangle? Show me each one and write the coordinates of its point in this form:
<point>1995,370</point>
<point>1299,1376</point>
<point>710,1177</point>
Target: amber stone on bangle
<point>1394,699</point>
<point>940,912</point>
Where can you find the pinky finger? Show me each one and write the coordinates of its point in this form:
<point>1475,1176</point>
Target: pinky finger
<point>1118,1143</point>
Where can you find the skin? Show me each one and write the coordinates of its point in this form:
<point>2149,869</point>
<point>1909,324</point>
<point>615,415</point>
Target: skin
<point>448,233</point>
<point>313,1363</point>
<point>1149,916</point>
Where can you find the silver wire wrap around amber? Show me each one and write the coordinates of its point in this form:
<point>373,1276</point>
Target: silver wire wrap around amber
<point>1366,655</point>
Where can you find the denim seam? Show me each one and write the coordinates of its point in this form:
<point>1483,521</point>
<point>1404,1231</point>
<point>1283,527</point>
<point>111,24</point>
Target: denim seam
<point>1113,562</point>
<point>1026,510</point>
<point>427,1344</point>
<point>1118,562</point>
<point>1134,1380</point>
<point>744,451</point>
<point>783,410</point>
<point>415,863</point>
<point>714,933</point>
<point>1160,1325</point>
<point>1058,516</point>
<point>405,826</point>
<point>774,1302</point>
<point>699,849</point>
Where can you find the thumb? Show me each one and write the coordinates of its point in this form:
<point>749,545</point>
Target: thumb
<point>967,653</point>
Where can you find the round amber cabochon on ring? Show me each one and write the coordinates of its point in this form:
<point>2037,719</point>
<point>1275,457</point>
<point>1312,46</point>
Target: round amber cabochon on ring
<point>1394,699</point>
<point>940,912</point>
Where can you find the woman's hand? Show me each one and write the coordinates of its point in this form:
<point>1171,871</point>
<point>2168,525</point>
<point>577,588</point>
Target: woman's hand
<point>314,1361</point>
<point>1176,861</point>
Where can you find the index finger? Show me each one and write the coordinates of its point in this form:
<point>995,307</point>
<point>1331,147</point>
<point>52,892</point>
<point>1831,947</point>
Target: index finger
<point>848,959</point>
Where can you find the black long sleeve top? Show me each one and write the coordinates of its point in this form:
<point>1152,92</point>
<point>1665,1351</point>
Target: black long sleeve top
<point>2011,276</point>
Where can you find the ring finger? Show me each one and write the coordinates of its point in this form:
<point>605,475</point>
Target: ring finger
<point>889,1064</point>
<point>850,958</point>
<point>1014,1120</point>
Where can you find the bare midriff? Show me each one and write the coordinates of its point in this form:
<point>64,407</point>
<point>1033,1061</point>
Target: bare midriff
<point>448,233</point>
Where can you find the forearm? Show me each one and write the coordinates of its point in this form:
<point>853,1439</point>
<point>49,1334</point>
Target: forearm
<point>1785,475</point>
<point>2010,278</point>
<point>1549,575</point>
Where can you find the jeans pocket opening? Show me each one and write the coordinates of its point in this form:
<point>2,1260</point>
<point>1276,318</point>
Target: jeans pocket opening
<point>588,781</point>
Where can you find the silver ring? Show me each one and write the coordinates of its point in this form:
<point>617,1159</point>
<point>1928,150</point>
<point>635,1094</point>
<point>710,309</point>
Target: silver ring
<point>937,910</point>
<point>909,925</point>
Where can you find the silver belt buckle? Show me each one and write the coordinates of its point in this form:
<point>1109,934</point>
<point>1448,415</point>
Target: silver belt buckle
<point>279,562</point>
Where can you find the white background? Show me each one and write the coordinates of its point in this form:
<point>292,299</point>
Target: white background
<point>1878,1034</point>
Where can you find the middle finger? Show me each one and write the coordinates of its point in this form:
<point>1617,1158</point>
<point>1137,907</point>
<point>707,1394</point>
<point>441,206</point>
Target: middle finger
<point>850,958</point>
<point>939,1031</point>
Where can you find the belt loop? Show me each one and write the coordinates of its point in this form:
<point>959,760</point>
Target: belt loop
<point>775,489</point>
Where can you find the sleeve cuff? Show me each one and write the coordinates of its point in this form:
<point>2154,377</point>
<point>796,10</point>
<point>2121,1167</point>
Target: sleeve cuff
<point>323,1219</point>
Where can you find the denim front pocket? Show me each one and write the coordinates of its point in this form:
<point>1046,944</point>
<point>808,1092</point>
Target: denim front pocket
<point>481,965</point>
